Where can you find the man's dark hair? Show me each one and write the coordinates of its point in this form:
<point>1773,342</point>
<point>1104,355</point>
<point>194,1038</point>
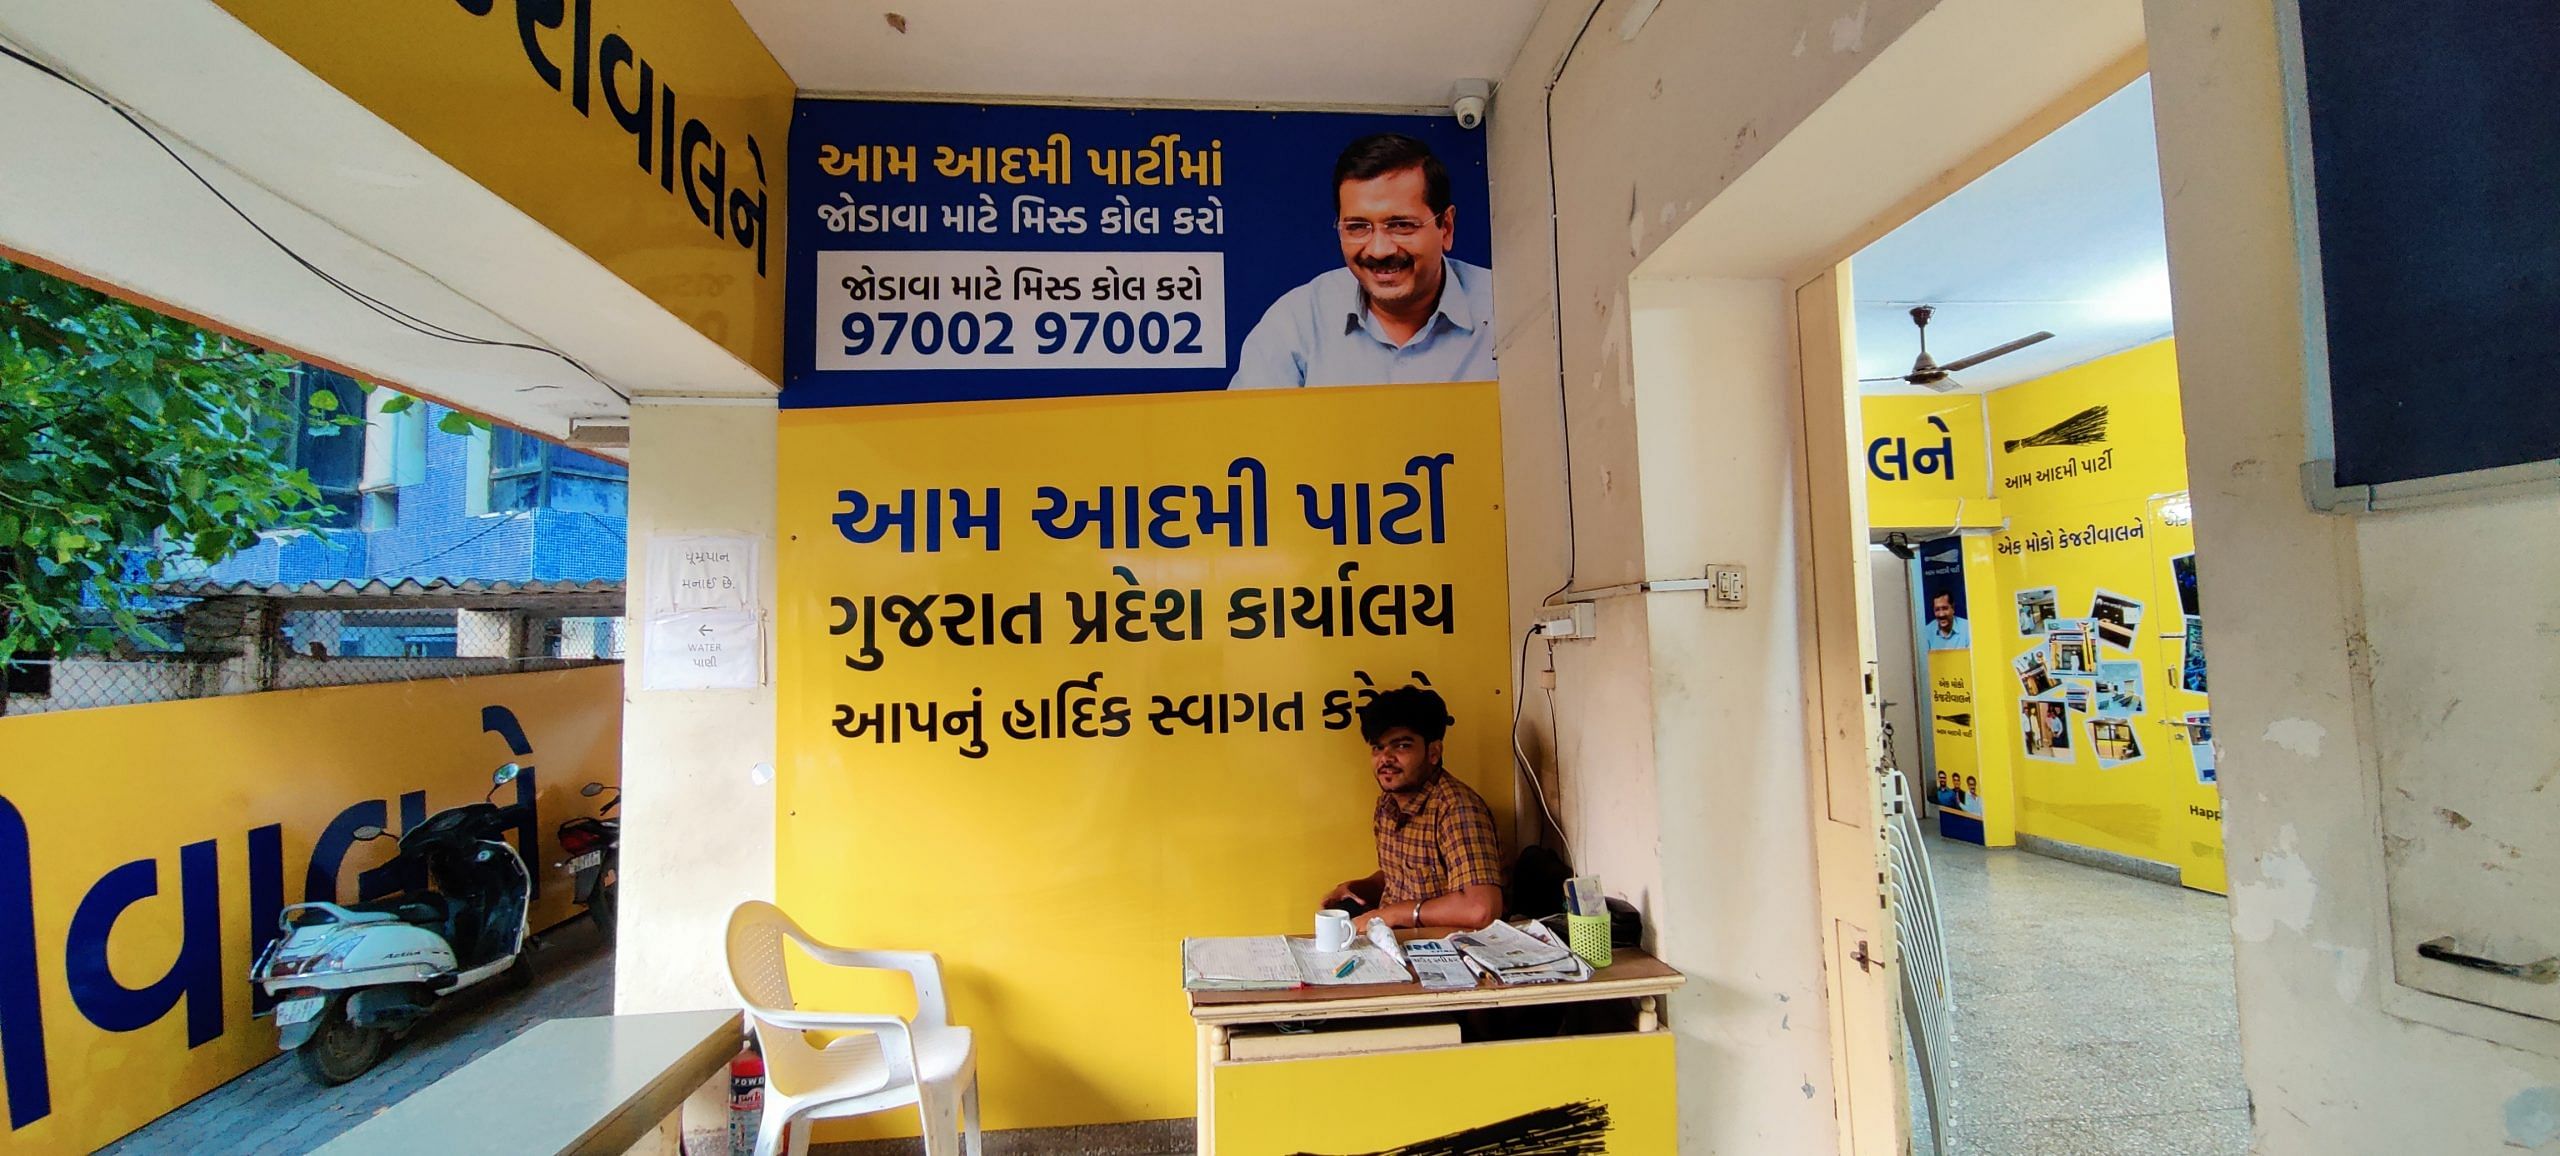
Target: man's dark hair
<point>1374,156</point>
<point>1410,707</point>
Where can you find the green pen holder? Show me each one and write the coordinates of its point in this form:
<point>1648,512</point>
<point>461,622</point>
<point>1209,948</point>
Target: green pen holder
<point>1589,937</point>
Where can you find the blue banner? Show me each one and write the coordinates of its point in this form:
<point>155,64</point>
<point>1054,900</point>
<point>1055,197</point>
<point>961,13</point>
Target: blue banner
<point>948,252</point>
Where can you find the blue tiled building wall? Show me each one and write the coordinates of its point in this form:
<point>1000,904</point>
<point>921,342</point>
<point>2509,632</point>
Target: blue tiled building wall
<point>435,536</point>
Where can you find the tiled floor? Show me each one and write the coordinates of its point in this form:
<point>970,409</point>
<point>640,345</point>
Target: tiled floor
<point>2093,1012</point>
<point>274,1110</point>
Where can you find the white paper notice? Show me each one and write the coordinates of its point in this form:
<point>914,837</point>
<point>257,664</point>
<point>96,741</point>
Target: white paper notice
<point>705,650</point>
<point>701,572</point>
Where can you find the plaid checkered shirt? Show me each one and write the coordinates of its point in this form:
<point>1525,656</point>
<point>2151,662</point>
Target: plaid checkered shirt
<point>1435,841</point>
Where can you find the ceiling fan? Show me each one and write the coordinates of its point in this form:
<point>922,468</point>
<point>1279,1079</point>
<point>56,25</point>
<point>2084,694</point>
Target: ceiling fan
<point>1927,373</point>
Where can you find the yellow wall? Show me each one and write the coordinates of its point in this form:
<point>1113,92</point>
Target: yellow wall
<point>207,812</point>
<point>1058,876</point>
<point>471,90</point>
<point>2103,516</point>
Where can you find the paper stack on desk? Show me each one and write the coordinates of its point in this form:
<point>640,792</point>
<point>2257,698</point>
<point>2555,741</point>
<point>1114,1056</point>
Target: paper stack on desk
<point>1519,955</point>
<point>1238,963</point>
<point>1269,962</point>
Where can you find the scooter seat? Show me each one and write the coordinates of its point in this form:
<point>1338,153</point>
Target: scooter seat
<point>425,908</point>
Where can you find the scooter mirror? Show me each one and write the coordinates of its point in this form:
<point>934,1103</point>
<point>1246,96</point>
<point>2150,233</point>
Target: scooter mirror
<point>591,790</point>
<point>367,832</point>
<point>506,774</point>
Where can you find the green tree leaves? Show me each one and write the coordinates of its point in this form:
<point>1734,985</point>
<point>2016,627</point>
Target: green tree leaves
<point>122,430</point>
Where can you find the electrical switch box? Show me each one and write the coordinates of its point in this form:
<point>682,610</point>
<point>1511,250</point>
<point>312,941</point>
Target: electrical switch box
<point>1726,588</point>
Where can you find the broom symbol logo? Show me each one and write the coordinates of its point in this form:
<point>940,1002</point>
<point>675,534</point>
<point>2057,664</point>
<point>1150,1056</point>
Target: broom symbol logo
<point>2083,428</point>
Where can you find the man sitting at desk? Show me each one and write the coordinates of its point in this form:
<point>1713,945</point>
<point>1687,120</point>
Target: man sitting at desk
<point>1439,862</point>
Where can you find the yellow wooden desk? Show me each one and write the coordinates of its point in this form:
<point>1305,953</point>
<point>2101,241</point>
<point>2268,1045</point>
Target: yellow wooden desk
<point>1383,1090</point>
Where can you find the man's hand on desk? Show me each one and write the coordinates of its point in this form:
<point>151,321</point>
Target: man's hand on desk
<point>1470,907</point>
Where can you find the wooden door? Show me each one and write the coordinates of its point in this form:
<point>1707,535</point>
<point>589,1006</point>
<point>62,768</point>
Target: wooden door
<point>1841,686</point>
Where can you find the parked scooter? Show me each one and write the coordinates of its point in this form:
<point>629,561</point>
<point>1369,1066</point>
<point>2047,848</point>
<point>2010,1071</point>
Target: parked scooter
<point>594,845</point>
<point>349,980</point>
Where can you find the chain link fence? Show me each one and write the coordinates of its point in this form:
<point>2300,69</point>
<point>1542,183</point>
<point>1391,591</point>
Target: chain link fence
<point>242,653</point>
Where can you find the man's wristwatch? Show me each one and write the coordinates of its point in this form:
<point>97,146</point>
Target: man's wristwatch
<point>1417,913</point>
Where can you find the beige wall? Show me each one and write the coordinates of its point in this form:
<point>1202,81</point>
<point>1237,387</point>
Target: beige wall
<point>1684,223</point>
<point>2295,597</point>
<point>1683,741</point>
<point>697,831</point>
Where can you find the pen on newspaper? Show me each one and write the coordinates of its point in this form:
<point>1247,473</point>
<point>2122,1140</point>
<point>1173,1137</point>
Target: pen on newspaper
<point>1347,967</point>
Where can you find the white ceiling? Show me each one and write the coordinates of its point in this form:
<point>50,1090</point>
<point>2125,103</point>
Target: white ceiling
<point>84,190</point>
<point>1303,52</point>
<point>2066,236</point>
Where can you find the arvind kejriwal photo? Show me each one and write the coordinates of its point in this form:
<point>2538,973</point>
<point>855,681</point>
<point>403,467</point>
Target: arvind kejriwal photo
<point>1401,309</point>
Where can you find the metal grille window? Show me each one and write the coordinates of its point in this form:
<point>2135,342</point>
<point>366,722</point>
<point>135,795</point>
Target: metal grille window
<point>527,473</point>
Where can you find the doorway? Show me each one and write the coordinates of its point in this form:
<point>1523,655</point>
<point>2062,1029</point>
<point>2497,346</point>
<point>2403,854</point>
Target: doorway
<point>2024,467</point>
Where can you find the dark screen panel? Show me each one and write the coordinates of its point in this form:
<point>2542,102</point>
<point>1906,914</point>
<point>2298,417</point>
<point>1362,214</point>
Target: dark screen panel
<point>2435,142</point>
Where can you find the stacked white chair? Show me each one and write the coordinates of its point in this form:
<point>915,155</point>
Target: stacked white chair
<point>924,1061</point>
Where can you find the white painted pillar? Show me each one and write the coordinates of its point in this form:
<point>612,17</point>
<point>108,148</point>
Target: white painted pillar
<point>697,830</point>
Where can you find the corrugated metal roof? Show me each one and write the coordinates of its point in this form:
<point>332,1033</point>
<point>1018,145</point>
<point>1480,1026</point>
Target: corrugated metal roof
<point>594,596</point>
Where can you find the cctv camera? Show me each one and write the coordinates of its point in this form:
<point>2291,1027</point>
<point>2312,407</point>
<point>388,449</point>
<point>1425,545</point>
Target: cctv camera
<point>1467,100</point>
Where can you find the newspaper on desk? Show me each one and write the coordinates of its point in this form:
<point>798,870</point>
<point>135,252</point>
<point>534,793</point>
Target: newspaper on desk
<point>1519,955</point>
<point>1272,962</point>
<point>1438,965</point>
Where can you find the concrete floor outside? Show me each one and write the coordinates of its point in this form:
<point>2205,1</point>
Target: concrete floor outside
<point>274,1110</point>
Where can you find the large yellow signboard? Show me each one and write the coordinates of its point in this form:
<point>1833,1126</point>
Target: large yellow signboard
<point>1065,681</point>
<point>1926,465</point>
<point>145,852</point>
<point>648,133</point>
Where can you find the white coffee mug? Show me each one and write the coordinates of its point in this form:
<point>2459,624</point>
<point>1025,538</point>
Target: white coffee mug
<point>1333,930</point>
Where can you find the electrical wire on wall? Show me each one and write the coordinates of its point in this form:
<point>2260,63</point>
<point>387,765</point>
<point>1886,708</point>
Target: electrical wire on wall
<point>1537,788</point>
<point>1564,419</point>
<point>379,307</point>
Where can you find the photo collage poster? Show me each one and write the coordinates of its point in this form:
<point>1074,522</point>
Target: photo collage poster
<point>2080,682</point>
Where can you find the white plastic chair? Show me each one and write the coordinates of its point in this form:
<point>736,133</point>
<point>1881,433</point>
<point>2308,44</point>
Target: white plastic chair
<point>925,1061</point>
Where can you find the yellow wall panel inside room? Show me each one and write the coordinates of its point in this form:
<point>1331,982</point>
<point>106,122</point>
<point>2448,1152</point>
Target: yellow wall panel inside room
<point>2103,516</point>
<point>1925,462</point>
<point>1057,877</point>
